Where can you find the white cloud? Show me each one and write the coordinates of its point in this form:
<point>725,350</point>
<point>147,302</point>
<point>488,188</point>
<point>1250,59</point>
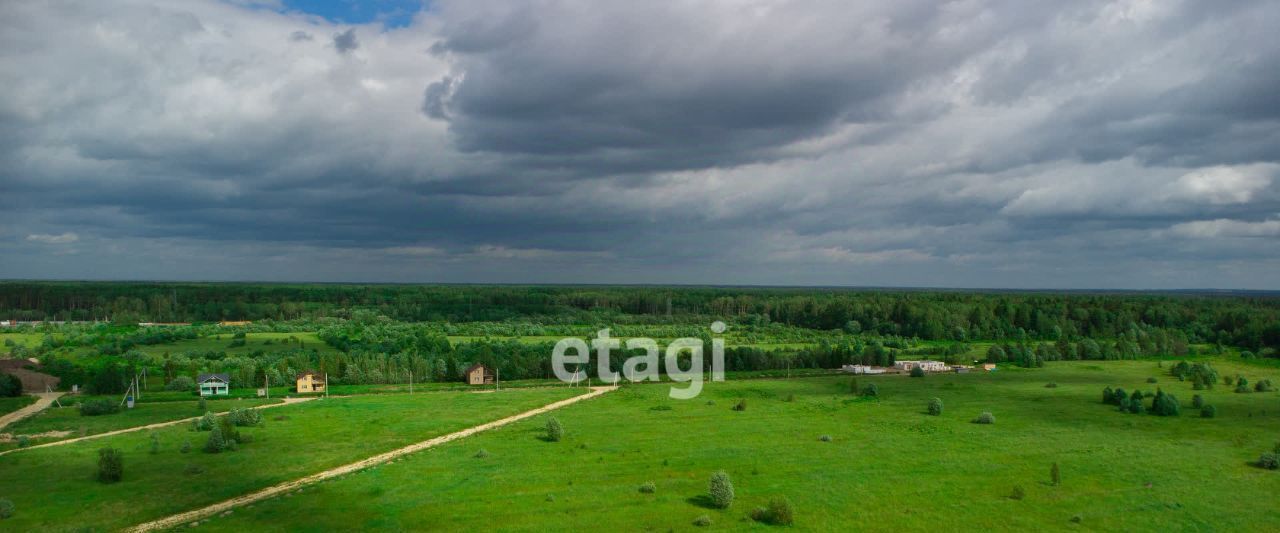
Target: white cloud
<point>44,238</point>
<point>1227,228</point>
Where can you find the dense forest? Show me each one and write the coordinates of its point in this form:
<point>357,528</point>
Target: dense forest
<point>382,333</point>
<point>1248,320</point>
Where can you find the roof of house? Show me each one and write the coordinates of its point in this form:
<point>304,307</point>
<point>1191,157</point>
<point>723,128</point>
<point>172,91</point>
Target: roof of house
<point>475,366</point>
<point>225,378</point>
<point>314,375</point>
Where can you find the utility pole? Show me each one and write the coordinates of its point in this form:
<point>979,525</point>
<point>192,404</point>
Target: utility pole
<point>410,382</point>
<point>266,385</point>
<point>326,384</point>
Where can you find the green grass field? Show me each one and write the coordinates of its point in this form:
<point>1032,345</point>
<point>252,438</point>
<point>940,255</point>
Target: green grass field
<point>68,418</point>
<point>53,487</point>
<point>253,342</point>
<point>888,466</point>
<point>9,405</point>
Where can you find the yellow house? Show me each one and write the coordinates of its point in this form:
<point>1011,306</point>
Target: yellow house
<point>478,374</point>
<point>310,382</point>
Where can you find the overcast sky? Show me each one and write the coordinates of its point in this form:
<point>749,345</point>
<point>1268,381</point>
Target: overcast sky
<point>974,143</point>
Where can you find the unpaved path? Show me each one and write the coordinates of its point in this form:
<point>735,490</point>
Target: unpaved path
<point>45,400</point>
<point>190,516</point>
<point>157,425</point>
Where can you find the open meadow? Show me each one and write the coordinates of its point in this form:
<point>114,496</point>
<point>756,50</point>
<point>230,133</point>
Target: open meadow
<point>888,465</point>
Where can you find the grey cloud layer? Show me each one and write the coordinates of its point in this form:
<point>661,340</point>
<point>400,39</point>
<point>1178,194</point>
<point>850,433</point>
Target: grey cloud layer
<point>976,143</point>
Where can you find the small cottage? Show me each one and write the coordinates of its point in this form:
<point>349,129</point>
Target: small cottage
<point>478,374</point>
<point>311,382</point>
<point>214,384</point>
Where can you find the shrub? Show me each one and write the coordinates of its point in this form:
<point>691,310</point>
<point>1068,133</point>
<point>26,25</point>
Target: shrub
<point>1051,385</point>
<point>98,407</point>
<point>917,372</point>
<point>181,383</point>
<point>871,391</point>
<point>741,405</point>
<point>1208,411</point>
<point>825,438</point>
<point>702,521</point>
<point>203,406</point>
<point>985,418</point>
<point>1055,476</point>
<point>245,417</point>
<point>1165,405</point>
<point>555,431</point>
<point>721,490</point>
<point>110,465</point>
<point>10,386</point>
<point>229,431</point>
<point>790,398</point>
<point>481,454</point>
<point>1263,385</point>
<point>853,385</point>
<point>1269,461</point>
<point>216,443</point>
<point>1152,380</point>
<point>24,441</point>
<point>1017,493</point>
<point>206,422</point>
<point>648,488</point>
<point>6,508</point>
<point>1108,396</point>
<point>935,406</point>
<point>1135,406</point>
<point>777,513</point>
<point>1242,385</point>
<point>155,443</point>
<point>1119,397</point>
<point>1197,401</point>
<point>186,446</point>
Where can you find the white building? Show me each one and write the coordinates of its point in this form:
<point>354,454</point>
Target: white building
<point>926,365</point>
<point>862,369</point>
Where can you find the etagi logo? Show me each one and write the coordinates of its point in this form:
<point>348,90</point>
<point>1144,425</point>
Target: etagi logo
<point>643,367</point>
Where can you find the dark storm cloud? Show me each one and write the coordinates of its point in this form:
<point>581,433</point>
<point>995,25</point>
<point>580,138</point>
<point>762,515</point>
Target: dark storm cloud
<point>984,143</point>
<point>345,41</point>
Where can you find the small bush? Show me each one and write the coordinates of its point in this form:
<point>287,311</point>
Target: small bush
<point>1269,461</point>
<point>1152,380</point>
<point>555,431</point>
<point>110,465</point>
<point>186,447</point>
<point>1208,411</point>
<point>721,490</point>
<point>1263,385</point>
<point>1017,493</point>
<point>778,512</point>
<point>1242,385</point>
<point>203,406</point>
<point>6,508</point>
<point>741,405</point>
<point>216,443</point>
<point>24,441</point>
<point>985,418</point>
<point>917,372</point>
<point>245,417</point>
<point>648,488</point>
<point>98,407</point>
<point>1108,396</point>
<point>1055,476</point>
<point>702,521</point>
<point>206,422</point>
<point>1197,401</point>
<point>790,398</point>
<point>935,406</point>
<point>871,391</point>
<point>181,383</point>
<point>1050,385</point>
<point>825,438</point>
<point>481,454</point>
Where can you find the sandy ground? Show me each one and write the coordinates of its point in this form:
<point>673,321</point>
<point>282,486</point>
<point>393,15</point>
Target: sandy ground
<point>269,492</point>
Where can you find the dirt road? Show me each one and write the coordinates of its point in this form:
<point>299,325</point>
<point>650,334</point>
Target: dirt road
<point>287,401</point>
<point>45,400</point>
<point>191,516</point>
